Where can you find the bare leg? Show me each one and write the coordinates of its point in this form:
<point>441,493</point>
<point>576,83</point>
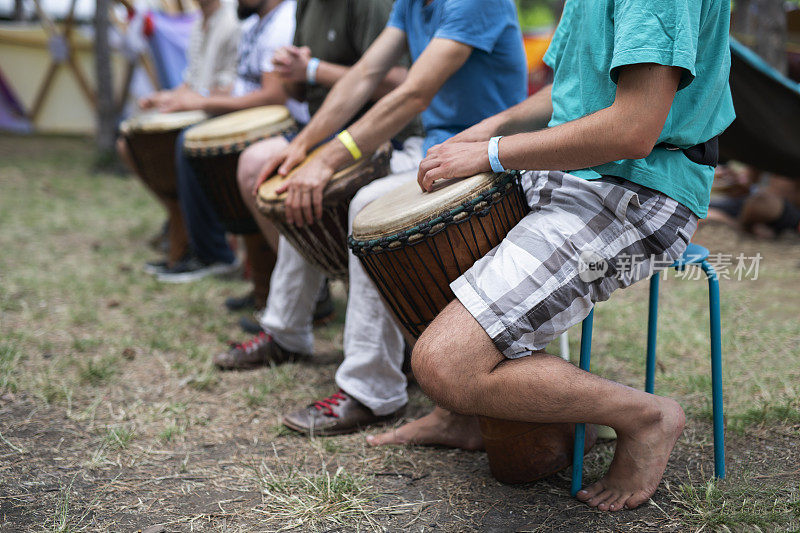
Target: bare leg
<point>438,428</point>
<point>467,374</point>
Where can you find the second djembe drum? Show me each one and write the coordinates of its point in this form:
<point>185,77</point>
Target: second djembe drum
<point>213,150</point>
<point>413,245</point>
<point>324,243</point>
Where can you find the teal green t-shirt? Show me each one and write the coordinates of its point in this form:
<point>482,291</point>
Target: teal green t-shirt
<point>597,37</point>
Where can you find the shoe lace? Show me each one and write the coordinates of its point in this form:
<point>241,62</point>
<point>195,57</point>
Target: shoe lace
<point>326,405</point>
<point>254,342</point>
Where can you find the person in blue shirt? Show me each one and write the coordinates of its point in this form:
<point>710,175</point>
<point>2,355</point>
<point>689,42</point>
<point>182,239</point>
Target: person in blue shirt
<point>468,64</point>
<point>639,95</point>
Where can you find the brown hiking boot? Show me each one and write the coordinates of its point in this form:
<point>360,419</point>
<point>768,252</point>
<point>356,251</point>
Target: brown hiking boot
<point>336,415</point>
<point>261,350</point>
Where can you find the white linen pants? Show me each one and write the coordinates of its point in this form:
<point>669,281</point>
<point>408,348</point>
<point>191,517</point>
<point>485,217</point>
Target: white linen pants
<point>373,343</point>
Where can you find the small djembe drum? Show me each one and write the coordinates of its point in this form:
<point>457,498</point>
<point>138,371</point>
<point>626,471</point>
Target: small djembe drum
<point>151,139</point>
<point>413,245</point>
<point>213,150</point>
<point>324,243</point>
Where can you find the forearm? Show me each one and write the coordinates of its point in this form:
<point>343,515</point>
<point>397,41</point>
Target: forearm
<point>330,73</point>
<point>218,104</point>
<point>384,120</point>
<point>342,103</point>
<point>595,139</point>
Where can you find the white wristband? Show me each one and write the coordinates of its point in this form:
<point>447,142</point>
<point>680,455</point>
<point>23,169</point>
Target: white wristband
<point>311,71</point>
<point>494,156</point>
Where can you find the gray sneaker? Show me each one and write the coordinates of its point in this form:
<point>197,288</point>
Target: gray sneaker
<point>193,268</point>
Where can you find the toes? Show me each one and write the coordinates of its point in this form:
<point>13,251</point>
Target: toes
<point>602,500</point>
<point>618,503</point>
<point>382,439</point>
<point>636,500</point>
<point>591,491</point>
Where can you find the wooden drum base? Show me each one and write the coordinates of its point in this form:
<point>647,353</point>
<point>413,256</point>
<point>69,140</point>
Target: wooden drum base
<point>521,452</point>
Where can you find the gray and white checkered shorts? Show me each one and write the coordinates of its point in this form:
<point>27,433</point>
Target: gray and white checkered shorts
<point>582,240</point>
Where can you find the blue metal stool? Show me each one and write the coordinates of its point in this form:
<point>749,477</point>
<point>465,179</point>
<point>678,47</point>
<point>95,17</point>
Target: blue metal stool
<point>694,255</point>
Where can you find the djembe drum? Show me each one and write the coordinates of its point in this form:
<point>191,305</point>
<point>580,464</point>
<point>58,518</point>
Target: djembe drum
<point>413,245</point>
<point>213,150</point>
<point>151,139</point>
<point>324,243</point>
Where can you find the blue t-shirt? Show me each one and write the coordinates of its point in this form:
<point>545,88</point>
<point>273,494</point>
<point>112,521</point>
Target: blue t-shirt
<point>491,80</point>
<point>597,37</point>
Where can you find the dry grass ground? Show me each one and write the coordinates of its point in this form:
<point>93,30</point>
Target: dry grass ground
<point>112,419</point>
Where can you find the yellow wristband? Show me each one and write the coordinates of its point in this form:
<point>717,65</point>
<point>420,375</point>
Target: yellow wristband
<point>350,144</point>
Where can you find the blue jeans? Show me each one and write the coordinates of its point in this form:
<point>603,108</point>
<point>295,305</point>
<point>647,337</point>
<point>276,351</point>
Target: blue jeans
<point>206,234</point>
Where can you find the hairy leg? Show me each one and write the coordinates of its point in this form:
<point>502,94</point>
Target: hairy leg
<point>249,168</point>
<point>467,374</point>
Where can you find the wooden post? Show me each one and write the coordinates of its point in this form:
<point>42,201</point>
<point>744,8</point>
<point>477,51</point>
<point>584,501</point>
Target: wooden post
<point>106,112</point>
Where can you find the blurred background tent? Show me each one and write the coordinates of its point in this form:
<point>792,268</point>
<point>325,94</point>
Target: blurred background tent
<point>766,132</point>
<point>47,61</point>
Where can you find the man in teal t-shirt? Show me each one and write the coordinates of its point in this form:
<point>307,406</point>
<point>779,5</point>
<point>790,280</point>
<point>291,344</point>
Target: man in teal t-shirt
<point>639,85</point>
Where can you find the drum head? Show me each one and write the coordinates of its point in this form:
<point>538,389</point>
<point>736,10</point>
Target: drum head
<point>245,126</point>
<point>272,202</point>
<point>160,122</point>
<point>408,206</point>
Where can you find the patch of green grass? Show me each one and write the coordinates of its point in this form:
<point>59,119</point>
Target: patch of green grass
<point>739,506</point>
<point>97,371</point>
<point>785,412</point>
<point>263,393</point>
<point>205,381</point>
<point>10,357</point>
<point>303,500</point>
<point>119,437</point>
<point>171,431</point>
<point>48,388</point>
<point>85,345</point>
<point>61,516</point>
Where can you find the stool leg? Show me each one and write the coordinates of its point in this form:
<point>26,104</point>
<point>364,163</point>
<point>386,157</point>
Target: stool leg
<point>716,369</point>
<point>563,340</point>
<point>580,429</point>
<point>652,331</point>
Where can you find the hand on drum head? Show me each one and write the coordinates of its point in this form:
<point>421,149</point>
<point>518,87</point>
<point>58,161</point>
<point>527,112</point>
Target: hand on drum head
<point>284,161</point>
<point>304,192</point>
<point>453,160</point>
<point>181,101</point>
<point>290,62</point>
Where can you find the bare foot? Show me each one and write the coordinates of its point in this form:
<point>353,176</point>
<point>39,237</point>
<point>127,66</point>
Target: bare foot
<point>438,428</point>
<point>639,462</point>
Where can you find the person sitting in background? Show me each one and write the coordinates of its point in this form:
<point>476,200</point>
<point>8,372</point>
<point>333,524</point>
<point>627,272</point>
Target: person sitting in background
<point>331,36</point>
<point>268,26</point>
<point>211,56</point>
<point>763,207</point>
<point>462,73</point>
<point>211,70</point>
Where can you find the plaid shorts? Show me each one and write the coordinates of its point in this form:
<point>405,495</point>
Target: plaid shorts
<point>582,240</point>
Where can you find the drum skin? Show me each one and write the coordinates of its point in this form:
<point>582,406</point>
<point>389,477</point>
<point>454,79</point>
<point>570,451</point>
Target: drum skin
<point>413,270</point>
<point>213,149</point>
<point>324,243</point>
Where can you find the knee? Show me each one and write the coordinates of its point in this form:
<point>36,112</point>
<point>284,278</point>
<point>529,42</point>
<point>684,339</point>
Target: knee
<point>440,373</point>
<point>247,168</point>
<point>360,200</point>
